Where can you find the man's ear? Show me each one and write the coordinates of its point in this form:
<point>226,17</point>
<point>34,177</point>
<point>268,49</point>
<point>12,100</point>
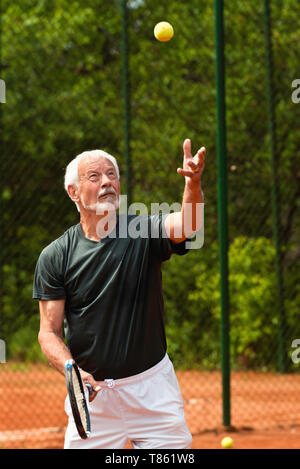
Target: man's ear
<point>73,192</point>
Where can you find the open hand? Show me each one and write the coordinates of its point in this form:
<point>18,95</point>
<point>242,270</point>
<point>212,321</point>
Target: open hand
<point>193,167</point>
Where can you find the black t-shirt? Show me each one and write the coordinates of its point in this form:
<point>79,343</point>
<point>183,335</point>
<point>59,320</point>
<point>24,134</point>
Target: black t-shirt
<point>114,309</point>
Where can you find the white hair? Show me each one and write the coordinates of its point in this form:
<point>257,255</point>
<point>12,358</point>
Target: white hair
<point>71,174</point>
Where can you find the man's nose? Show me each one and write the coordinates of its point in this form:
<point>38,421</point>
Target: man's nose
<point>105,181</point>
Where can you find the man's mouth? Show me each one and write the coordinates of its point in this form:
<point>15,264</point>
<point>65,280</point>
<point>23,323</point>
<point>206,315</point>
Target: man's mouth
<point>107,194</point>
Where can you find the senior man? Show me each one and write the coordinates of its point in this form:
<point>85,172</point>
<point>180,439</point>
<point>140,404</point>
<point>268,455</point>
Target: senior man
<point>107,291</point>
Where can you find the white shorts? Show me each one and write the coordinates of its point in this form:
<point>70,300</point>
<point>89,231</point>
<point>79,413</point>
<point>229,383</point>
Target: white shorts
<point>146,409</point>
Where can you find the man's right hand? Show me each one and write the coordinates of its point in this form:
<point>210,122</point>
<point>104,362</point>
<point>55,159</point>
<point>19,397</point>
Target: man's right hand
<point>87,378</point>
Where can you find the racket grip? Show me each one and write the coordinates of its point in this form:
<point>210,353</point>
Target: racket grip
<point>89,388</point>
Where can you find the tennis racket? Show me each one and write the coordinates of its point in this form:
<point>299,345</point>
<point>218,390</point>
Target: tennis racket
<point>77,398</point>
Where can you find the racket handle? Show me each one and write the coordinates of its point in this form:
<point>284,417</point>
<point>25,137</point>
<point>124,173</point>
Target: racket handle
<point>90,388</point>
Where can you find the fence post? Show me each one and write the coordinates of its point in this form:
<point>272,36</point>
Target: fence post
<point>275,196</point>
<point>2,253</point>
<point>222,207</point>
<point>126,97</point>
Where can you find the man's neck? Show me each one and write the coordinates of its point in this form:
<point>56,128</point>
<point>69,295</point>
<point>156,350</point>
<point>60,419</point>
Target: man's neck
<point>96,227</point>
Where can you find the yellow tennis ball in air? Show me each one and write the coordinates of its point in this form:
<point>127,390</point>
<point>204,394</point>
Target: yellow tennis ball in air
<point>163,31</point>
<point>227,442</point>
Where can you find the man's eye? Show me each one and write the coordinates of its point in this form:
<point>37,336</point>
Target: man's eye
<point>93,176</point>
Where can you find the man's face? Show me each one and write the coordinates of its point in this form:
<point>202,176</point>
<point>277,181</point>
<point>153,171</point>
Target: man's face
<point>99,186</point>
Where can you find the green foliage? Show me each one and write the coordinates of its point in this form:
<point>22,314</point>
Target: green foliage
<point>194,314</point>
<point>23,344</point>
<point>62,65</point>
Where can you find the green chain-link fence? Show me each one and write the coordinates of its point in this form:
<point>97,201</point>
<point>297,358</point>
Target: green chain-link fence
<point>62,65</point>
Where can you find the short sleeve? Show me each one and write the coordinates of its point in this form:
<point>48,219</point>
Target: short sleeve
<point>160,243</point>
<point>48,281</point>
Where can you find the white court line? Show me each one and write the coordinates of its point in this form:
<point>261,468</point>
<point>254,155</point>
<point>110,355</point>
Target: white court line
<point>30,433</point>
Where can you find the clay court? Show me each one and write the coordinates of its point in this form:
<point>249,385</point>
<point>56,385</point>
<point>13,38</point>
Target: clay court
<point>265,409</point>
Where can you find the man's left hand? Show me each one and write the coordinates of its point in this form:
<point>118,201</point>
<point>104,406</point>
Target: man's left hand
<point>193,167</point>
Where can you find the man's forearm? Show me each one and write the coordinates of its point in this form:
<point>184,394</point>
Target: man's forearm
<point>54,350</point>
<point>193,193</point>
<point>192,208</point>
<point>181,225</point>
<point>189,220</point>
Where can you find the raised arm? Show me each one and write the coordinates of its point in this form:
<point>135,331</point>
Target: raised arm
<point>180,225</point>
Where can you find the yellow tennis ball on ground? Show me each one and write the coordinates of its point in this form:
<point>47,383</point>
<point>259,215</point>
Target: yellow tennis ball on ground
<point>163,31</point>
<point>227,442</point>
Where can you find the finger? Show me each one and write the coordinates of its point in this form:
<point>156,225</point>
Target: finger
<point>193,166</point>
<point>196,168</point>
<point>185,172</point>
<point>93,390</point>
<point>200,155</point>
<point>96,388</point>
<point>201,150</point>
<point>92,396</point>
<point>187,147</point>
<point>92,385</point>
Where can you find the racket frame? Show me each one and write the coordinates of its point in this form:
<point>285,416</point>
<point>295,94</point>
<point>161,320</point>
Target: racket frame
<point>70,368</point>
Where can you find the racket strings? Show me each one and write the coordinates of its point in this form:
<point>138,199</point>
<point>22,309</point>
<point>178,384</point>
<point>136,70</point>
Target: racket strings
<point>80,398</point>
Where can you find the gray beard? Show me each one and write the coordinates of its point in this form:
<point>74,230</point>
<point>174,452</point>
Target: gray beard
<point>102,207</point>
